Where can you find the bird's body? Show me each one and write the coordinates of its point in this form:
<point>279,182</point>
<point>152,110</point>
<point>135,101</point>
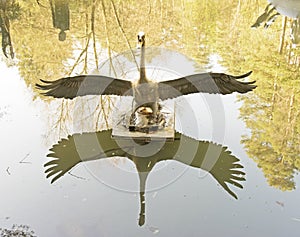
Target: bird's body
<point>146,93</point>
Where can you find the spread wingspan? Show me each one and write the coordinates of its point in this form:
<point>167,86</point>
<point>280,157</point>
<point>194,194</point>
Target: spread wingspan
<point>214,83</point>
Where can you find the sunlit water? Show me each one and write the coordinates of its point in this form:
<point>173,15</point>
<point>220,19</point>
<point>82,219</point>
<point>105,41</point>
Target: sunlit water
<point>80,204</point>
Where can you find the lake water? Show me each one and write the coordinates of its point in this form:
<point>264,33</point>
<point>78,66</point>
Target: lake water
<point>190,183</point>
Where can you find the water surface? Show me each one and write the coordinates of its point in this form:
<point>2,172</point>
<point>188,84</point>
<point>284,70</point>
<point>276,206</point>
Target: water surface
<point>101,197</point>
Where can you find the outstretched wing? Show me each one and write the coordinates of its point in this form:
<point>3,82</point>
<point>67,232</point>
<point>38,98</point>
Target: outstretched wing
<point>213,83</point>
<point>77,148</point>
<point>209,156</point>
<point>71,87</point>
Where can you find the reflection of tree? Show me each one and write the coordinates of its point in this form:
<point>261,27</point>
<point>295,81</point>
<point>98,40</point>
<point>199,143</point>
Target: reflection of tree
<point>273,117</point>
<point>215,159</point>
<point>165,22</point>
<point>60,17</point>
<point>272,113</point>
<point>9,10</point>
<point>193,28</point>
<point>38,52</point>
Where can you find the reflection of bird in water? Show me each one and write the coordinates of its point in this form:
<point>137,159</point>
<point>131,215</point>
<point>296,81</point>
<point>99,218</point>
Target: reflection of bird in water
<point>215,159</point>
<point>146,92</point>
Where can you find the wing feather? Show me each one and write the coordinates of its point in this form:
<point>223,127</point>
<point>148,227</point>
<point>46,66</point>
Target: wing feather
<point>71,87</point>
<point>213,83</point>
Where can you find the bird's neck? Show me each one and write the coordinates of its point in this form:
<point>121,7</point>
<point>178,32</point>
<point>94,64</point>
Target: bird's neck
<point>142,66</point>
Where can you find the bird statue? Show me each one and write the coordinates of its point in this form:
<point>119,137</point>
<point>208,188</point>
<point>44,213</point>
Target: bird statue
<point>146,93</point>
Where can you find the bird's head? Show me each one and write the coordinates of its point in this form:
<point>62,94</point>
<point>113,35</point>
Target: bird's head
<point>141,39</point>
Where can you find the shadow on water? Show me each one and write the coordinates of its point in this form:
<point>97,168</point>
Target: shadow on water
<point>211,157</point>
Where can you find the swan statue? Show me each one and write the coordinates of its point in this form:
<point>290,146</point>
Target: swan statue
<point>146,93</point>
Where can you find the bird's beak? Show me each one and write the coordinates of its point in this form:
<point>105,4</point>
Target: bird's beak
<point>139,44</point>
